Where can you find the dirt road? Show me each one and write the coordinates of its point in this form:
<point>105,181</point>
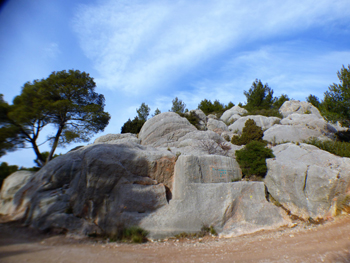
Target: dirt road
<point>329,242</point>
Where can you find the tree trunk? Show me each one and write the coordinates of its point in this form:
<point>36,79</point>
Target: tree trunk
<point>55,143</point>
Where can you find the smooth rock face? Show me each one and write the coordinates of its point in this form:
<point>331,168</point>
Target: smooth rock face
<point>164,128</point>
<point>96,183</point>
<point>306,180</point>
<point>216,126</point>
<point>204,195</point>
<point>289,133</point>
<point>261,121</point>
<point>295,106</point>
<point>236,110</point>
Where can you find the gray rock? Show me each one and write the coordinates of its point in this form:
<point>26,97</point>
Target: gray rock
<point>288,133</point>
<point>10,186</point>
<point>164,128</point>
<point>261,121</point>
<point>295,106</point>
<point>202,125</point>
<point>236,110</point>
<point>216,126</point>
<point>307,180</point>
<point>112,138</point>
<point>204,195</point>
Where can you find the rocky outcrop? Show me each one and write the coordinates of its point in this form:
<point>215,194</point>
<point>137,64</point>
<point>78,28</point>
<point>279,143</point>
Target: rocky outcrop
<point>121,137</point>
<point>165,128</point>
<point>205,194</point>
<point>306,180</point>
<point>261,121</point>
<point>216,126</point>
<point>233,113</point>
<point>295,106</point>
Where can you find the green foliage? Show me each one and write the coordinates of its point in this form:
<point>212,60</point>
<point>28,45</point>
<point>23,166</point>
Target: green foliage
<point>336,147</point>
<point>134,234</point>
<point>156,112</point>
<point>259,96</point>
<point>278,102</point>
<point>44,156</point>
<point>143,112</point>
<point>214,108</point>
<point>315,101</point>
<point>205,231</point>
<point>252,159</point>
<point>66,100</point>
<point>250,132</point>
<point>132,126</point>
<point>336,102</point>
<point>6,170</point>
<point>178,106</point>
<point>191,117</point>
<point>265,112</point>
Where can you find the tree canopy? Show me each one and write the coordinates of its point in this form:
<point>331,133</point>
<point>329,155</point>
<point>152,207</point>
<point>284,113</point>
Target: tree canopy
<point>259,96</point>
<point>66,100</point>
<point>143,112</point>
<point>336,102</point>
<point>178,106</point>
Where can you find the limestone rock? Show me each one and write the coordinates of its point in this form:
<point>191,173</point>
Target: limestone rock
<point>216,126</point>
<point>302,107</point>
<point>164,128</point>
<point>307,180</point>
<point>261,121</point>
<point>112,138</point>
<point>236,110</point>
<point>10,186</point>
<point>204,195</point>
<point>288,133</point>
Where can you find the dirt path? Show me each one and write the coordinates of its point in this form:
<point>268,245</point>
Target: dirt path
<point>304,243</point>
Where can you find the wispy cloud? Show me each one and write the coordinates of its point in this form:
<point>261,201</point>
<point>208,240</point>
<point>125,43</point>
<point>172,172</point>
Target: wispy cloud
<point>138,47</point>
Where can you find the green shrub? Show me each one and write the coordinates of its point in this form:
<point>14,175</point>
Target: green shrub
<point>338,148</point>
<point>250,132</point>
<point>132,126</point>
<point>6,170</point>
<point>191,117</point>
<point>252,159</point>
<point>265,112</point>
<point>134,234</point>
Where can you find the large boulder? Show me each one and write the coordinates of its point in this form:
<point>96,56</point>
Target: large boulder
<point>94,185</point>
<point>261,121</point>
<point>120,137</point>
<point>205,194</point>
<point>306,180</point>
<point>295,106</point>
<point>234,111</point>
<point>164,128</point>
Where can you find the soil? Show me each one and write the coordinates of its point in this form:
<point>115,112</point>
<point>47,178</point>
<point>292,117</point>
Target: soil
<point>328,242</point>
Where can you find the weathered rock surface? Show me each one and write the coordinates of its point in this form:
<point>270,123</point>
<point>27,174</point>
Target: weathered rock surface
<point>236,110</point>
<point>203,184</point>
<point>261,121</point>
<point>289,133</point>
<point>164,128</point>
<point>295,106</point>
<point>121,137</point>
<point>9,189</point>
<point>216,126</point>
<point>307,180</point>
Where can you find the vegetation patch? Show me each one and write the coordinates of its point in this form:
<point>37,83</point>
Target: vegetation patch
<point>205,231</point>
<point>250,132</point>
<point>335,147</point>
<point>133,234</point>
<point>252,159</point>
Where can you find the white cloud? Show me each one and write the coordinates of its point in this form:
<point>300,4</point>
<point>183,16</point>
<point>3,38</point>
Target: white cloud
<point>139,46</point>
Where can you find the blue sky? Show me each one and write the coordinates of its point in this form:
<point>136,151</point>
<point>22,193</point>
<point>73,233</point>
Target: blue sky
<point>155,50</point>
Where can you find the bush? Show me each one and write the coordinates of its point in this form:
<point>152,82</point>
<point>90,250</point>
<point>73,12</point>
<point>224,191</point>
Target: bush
<point>250,132</point>
<point>215,108</point>
<point>252,159</point>
<point>133,126</point>
<point>191,117</point>
<point>273,112</point>
<point>338,148</point>
<point>132,234</point>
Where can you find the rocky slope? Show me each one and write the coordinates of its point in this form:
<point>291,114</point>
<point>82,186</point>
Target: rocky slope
<point>174,178</point>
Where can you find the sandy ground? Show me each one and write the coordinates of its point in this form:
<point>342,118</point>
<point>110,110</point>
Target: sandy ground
<point>329,242</point>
